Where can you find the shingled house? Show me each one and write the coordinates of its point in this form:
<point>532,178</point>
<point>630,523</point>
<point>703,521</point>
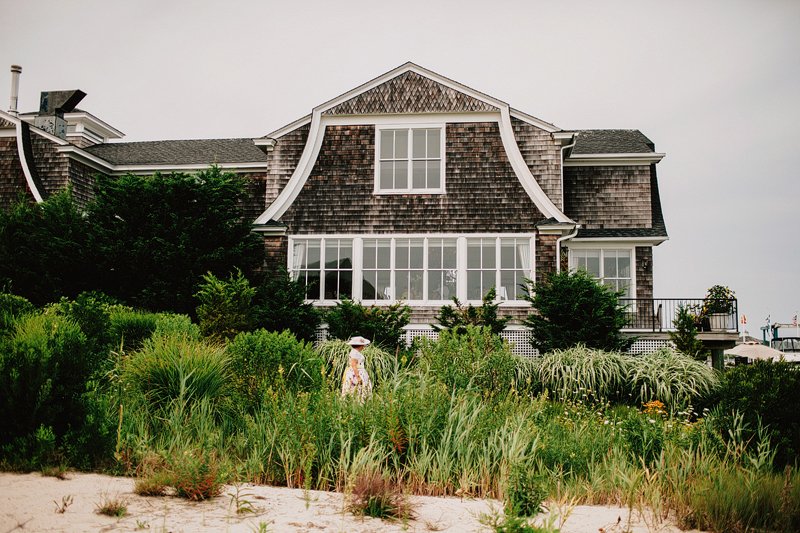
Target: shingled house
<point>409,187</point>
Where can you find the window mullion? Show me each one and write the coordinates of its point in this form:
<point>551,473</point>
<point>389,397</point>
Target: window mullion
<point>425,269</point>
<point>358,269</point>
<point>410,154</point>
<point>461,265</point>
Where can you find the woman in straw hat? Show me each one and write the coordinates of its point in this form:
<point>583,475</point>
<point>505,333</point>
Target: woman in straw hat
<point>356,380</point>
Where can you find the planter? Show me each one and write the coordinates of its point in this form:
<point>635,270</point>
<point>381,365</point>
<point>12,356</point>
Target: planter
<point>718,321</point>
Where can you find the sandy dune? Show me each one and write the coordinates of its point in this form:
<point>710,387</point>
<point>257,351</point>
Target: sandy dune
<point>28,502</point>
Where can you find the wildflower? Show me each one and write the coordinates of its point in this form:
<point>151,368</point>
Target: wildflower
<point>651,420</point>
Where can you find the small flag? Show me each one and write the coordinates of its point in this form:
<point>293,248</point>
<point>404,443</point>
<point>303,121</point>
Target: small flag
<point>794,321</point>
<point>743,320</point>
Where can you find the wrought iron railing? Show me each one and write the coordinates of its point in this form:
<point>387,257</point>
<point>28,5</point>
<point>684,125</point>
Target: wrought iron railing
<point>658,314</point>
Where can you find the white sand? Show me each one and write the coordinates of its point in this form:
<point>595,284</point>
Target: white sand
<point>28,503</point>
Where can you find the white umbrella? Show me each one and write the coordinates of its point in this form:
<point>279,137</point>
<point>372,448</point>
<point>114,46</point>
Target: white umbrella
<point>755,351</point>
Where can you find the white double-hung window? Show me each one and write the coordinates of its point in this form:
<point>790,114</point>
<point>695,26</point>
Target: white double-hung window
<point>610,266</point>
<point>409,159</point>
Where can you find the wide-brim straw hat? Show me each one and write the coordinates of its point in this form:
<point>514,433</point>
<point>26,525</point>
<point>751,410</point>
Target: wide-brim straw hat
<point>359,341</point>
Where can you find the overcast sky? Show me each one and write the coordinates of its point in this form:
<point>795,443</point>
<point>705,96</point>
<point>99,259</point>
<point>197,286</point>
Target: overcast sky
<point>714,84</point>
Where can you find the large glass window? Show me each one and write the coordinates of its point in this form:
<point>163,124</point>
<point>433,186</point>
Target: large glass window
<point>410,160</point>
<point>377,271</point>
<point>442,269</point>
<point>610,266</point>
<point>415,268</point>
<point>324,266</point>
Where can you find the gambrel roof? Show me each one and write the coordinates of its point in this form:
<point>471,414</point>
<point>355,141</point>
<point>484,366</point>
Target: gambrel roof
<point>180,152</point>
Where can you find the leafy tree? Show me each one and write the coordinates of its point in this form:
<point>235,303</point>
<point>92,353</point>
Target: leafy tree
<point>382,325</point>
<point>44,249</point>
<point>280,304</point>
<point>685,334</point>
<point>457,317</point>
<point>572,308</point>
<point>226,307</point>
<point>157,235</point>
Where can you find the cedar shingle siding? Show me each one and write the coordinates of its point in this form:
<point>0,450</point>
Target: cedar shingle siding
<point>543,156</point>
<point>409,93</point>
<point>608,197</point>
<point>12,178</point>
<point>483,193</point>
<point>282,161</point>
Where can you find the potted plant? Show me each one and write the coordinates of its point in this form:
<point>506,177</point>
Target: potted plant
<point>718,306</point>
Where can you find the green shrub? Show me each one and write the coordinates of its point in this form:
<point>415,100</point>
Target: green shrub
<point>11,308</point>
<point>767,392</point>
<point>90,310</point>
<point>644,437</point>
<point>177,325</point>
<point>572,308</point>
<point>130,328</point>
<point>263,360</point>
<point>685,335</point>
<point>226,306</point>
<point>475,358</point>
<point>457,317</point>
<point>169,368</point>
<point>376,496</point>
<point>381,325</point>
<point>671,377</point>
<point>581,373</point>
<point>44,366</point>
<point>526,492</point>
<point>280,304</point>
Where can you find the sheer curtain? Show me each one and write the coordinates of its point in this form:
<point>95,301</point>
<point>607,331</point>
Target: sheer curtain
<point>298,255</point>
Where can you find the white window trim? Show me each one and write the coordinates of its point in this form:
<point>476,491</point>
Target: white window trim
<point>461,265</point>
<point>602,247</point>
<point>410,127</point>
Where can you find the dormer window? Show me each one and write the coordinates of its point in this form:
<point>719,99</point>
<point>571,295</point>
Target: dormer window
<point>409,160</point>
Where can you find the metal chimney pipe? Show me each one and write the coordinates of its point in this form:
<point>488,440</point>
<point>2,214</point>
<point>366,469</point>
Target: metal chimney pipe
<point>16,70</point>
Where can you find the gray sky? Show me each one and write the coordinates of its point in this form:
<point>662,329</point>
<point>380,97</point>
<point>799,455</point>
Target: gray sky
<point>714,84</point>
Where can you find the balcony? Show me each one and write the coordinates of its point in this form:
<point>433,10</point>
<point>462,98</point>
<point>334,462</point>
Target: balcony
<point>657,315</point>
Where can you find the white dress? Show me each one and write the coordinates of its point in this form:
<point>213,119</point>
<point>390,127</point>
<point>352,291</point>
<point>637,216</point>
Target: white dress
<point>351,382</point>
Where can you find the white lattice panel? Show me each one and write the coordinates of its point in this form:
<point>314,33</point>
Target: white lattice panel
<point>519,339</point>
<point>322,333</point>
<point>644,346</point>
<point>420,331</point>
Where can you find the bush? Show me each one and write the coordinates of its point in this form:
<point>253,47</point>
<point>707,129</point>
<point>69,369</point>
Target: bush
<point>44,249</point>
<point>376,496</point>
<point>459,317</point>
<point>280,304</point>
<point>526,492</point>
<point>766,391</point>
<point>473,359</point>
<point>226,307</point>
<point>572,308</point>
<point>673,378</point>
<point>195,474</point>
<point>157,235</point>
<point>129,328</point>
<point>685,335</point>
<point>90,310</point>
<point>381,325</point>
<point>264,360</point>
<point>169,368</point>
<point>11,308</point>
<point>44,366</point>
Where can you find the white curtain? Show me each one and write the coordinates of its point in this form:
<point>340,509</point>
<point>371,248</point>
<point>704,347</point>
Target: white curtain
<point>298,255</point>
<point>524,252</point>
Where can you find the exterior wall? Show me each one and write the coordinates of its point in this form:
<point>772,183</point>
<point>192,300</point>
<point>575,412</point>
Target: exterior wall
<point>256,184</point>
<point>608,197</point>
<point>644,272</point>
<point>427,315</point>
<point>542,154</point>
<point>12,178</point>
<point>545,256</point>
<point>276,250</point>
<point>52,167</point>
<point>282,161</point>
<point>409,93</point>
<point>82,180</point>
<point>483,193</point>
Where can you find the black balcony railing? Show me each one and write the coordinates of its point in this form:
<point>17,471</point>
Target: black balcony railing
<point>658,314</point>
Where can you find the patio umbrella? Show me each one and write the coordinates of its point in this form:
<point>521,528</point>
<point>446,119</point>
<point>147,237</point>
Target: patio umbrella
<point>755,351</point>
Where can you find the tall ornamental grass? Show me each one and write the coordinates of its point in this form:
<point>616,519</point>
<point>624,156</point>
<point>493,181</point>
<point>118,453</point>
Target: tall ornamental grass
<point>169,368</point>
<point>581,372</point>
<point>671,377</point>
<point>380,364</point>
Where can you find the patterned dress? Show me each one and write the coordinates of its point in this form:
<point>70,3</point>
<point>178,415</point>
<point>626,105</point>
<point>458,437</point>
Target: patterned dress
<point>350,381</point>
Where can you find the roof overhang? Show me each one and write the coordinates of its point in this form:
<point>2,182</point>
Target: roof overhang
<point>626,241</point>
<point>598,160</point>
